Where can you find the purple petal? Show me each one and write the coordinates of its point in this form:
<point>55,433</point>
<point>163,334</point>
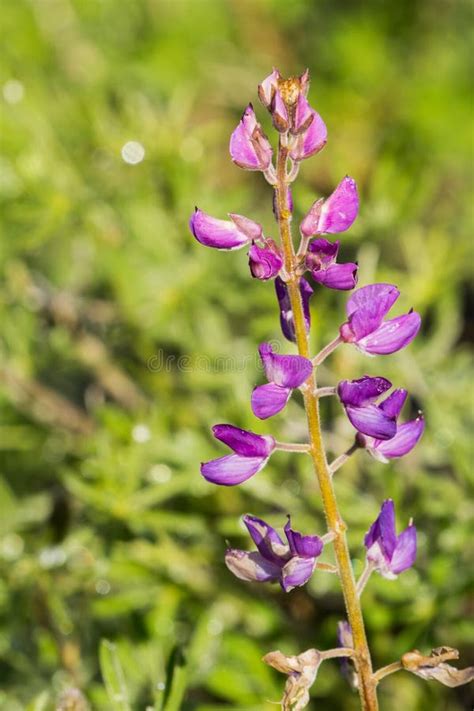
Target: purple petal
<point>382,530</point>
<point>232,469</point>
<point>337,276</point>
<point>311,141</point>
<point>405,551</point>
<point>306,294</point>
<point>344,634</point>
<point>304,82</point>
<point>243,442</point>
<point>289,371</point>
<point>264,263</point>
<point>252,230</point>
<point>392,335</point>
<point>406,438</point>
<point>363,391</point>
<point>267,540</point>
<point>392,405</point>
<point>322,252</point>
<point>309,225</point>
<point>286,314</point>
<point>267,88</point>
<point>212,232</point>
<point>384,295</point>
<point>303,546</point>
<point>340,209</point>
<point>304,115</point>
<point>370,420</point>
<point>296,572</point>
<point>249,147</point>
<point>279,113</point>
<point>268,400</point>
<point>251,567</point>
<point>241,149</point>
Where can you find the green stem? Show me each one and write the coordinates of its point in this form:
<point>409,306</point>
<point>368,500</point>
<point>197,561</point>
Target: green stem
<point>362,659</point>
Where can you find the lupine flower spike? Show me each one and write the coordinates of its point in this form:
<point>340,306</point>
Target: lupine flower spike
<point>371,409</point>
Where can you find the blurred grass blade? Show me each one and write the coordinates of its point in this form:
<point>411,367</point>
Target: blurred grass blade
<point>113,676</point>
<point>176,681</point>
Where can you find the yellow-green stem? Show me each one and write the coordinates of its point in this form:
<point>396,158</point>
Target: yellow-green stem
<point>362,659</point>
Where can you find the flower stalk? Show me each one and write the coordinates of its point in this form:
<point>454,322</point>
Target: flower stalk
<point>362,658</point>
<point>342,459</point>
<point>364,578</point>
<point>326,351</point>
<point>292,447</point>
<point>291,559</point>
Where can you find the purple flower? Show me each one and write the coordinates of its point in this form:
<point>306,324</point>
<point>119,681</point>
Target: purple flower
<point>404,440</point>
<point>286,313</point>
<point>268,88</point>
<point>321,260</point>
<point>249,147</point>
<point>265,262</point>
<point>311,141</point>
<point>388,553</point>
<point>284,373</point>
<point>367,330</point>
<point>358,398</point>
<point>336,214</point>
<point>251,453</point>
<point>224,234</point>
<point>291,563</point>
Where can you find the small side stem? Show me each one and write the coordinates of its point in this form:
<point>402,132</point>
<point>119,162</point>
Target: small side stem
<point>342,459</point>
<point>361,655</point>
<point>303,248</point>
<point>327,567</point>
<point>337,652</point>
<point>324,392</point>
<point>292,447</point>
<point>385,671</point>
<point>364,578</point>
<point>327,350</point>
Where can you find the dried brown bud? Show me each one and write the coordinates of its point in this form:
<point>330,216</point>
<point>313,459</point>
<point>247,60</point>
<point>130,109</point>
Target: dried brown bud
<point>434,666</point>
<point>301,670</point>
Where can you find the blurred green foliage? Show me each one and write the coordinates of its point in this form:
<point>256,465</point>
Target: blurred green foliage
<point>116,327</point>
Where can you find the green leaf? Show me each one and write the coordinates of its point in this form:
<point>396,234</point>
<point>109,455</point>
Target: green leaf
<point>176,681</point>
<point>113,676</point>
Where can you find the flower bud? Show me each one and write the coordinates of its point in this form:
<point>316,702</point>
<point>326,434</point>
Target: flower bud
<point>265,262</point>
<point>249,147</point>
<point>286,101</point>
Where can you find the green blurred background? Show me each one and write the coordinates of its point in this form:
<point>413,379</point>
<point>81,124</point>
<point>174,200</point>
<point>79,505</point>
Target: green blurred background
<point>107,530</point>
